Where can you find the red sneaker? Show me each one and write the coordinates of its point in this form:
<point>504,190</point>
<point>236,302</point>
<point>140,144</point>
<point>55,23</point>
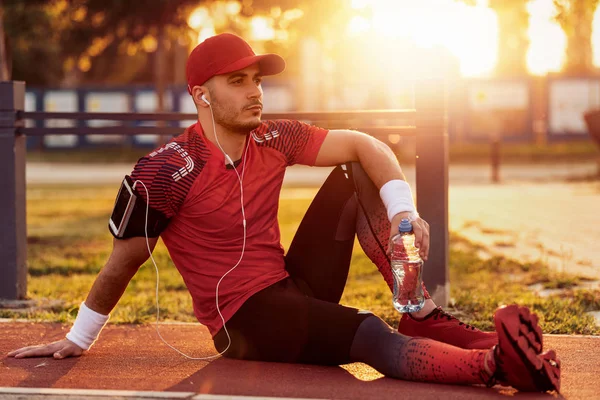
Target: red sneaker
<point>520,362</point>
<point>443,327</point>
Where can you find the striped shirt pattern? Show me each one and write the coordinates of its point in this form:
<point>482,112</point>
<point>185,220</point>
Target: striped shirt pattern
<point>169,171</point>
<point>291,137</point>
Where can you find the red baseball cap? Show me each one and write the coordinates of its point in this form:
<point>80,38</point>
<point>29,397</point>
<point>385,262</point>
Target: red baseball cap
<point>225,53</point>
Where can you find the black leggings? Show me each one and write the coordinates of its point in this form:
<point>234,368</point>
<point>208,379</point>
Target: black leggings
<point>347,204</point>
<point>299,319</point>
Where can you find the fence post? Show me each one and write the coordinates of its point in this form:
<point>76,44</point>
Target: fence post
<point>13,234</point>
<point>432,181</point>
<point>495,157</point>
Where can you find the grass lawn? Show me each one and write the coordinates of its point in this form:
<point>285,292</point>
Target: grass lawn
<point>68,242</point>
<point>462,153</point>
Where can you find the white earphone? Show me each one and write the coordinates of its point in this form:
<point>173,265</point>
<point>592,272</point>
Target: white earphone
<point>229,160</point>
<point>240,179</point>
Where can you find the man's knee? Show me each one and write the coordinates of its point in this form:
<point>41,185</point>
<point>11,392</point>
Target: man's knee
<point>363,184</point>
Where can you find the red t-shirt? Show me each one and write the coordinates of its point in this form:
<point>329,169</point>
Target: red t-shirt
<point>189,183</point>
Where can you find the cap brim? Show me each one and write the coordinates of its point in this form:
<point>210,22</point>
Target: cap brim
<point>269,64</point>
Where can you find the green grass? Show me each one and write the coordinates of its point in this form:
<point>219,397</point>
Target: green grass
<point>575,151</point>
<point>88,156</point>
<point>68,242</point>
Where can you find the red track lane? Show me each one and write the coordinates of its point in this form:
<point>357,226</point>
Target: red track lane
<point>134,358</point>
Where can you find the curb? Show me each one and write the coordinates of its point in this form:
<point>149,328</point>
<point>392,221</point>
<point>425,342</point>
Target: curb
<point>72,394</point>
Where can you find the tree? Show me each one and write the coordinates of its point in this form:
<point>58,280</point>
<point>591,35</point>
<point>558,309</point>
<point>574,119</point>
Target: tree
<point>5,62</point>
<point>99,41</point>
<point>575,18</point>
<point>513,21</point>
<point>32,42</point>
<point>98,23</point>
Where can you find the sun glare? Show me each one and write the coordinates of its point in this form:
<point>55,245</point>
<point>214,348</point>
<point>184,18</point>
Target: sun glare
<point>596,38</point>
<point>547,40</point>
<point>262,28</point>
<point>198,17</point>
<point>468,32</point>
<point>201,21</point>
<point>358,25</point>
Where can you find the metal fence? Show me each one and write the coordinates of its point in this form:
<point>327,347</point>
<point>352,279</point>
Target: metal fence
<point>428,125</point>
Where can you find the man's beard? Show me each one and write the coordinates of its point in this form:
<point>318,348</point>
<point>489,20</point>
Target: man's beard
<point>227,117</point>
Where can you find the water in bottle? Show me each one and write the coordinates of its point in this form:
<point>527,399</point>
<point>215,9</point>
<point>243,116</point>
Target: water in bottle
<point>407,267</point>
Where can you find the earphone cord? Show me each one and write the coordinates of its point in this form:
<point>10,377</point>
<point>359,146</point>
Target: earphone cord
<point>240,179</point>
<point>157,285</point>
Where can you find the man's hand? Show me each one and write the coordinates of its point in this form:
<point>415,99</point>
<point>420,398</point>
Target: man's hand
<point>421,229</point>
<point>60,349</point>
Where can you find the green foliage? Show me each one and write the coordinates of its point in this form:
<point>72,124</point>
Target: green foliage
<point>575,18</point>
<point>105,41</point>
<point>33,36</point>
<point>479,286</point>
<point>569,10</point>
<point>68,243</point>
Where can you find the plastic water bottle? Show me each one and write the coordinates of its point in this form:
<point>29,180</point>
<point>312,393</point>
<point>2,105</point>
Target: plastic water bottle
<point>407,267</point>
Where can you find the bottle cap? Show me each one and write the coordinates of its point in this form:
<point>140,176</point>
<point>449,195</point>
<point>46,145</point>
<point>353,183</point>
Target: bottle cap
<point>405,226</point>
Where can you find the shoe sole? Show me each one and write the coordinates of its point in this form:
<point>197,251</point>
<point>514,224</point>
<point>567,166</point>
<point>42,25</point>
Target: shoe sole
<point>526,340</point>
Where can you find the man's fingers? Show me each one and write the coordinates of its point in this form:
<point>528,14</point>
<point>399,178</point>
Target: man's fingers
<point>418,236</point>
<point>16,352</point>
<point>68,351</point>
<point>421,238</point>
<point>61,349</point>
<point>424,248</point>
<point>36,352</point>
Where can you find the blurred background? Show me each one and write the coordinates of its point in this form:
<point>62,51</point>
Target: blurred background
<point>523,71</point>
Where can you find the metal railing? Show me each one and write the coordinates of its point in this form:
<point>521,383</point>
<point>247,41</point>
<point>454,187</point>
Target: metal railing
<point>329,118</point>
<point>429,126</point>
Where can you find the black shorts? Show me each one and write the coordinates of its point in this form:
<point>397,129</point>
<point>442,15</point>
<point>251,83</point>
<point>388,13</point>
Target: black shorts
<point>299,319</point>
<point>283,324</point>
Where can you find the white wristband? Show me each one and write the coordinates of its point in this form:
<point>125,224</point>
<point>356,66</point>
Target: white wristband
<point>397,198</point>
<point>87,327</point>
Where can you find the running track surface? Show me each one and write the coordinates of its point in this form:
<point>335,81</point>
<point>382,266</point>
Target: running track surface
<point>132,357</point>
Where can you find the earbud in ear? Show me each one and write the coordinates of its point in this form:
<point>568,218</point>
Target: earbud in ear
<point>204,99</point>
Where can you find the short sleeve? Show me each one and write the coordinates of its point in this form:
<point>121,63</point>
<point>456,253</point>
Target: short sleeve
<point>167,174</point>
<point>162,180</point>
<point>153,175</point>
<point>298,141</point>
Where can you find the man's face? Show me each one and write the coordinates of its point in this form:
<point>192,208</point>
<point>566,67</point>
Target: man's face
<point>236,99</point>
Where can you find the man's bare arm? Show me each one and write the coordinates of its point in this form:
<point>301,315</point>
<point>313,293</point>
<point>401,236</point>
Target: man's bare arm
<point>377,159</point>
<point>379,162</point>
<point>126,258</point>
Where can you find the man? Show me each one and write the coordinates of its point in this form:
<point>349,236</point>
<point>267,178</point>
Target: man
<point>213,195</point>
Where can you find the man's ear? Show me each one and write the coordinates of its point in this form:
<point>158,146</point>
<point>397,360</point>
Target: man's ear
<point>197,92</point>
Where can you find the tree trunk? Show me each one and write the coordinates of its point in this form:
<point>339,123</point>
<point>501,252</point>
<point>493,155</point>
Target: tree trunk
<point>577,24</point>
<point>513,43</point>
<point>579,47</point>
<point>181,54</point>
<point>160,80</point>
<point>5,62</point>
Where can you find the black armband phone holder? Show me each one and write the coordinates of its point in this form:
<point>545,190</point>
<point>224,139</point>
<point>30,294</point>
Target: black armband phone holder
<point>128,218</point>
